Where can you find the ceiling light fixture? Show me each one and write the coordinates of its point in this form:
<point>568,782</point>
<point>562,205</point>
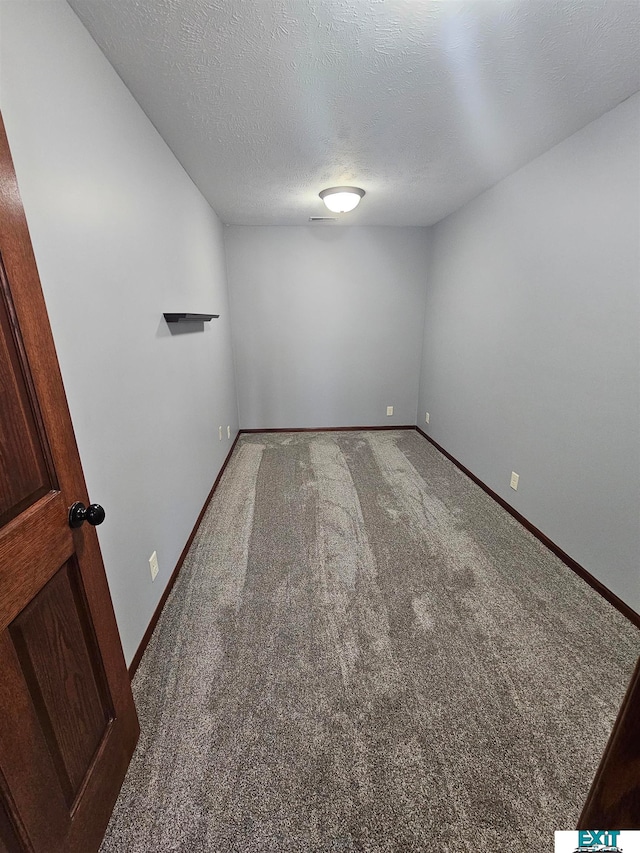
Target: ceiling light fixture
<point>341,199</point>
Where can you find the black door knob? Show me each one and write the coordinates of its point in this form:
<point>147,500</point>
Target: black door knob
<point>78,514</point>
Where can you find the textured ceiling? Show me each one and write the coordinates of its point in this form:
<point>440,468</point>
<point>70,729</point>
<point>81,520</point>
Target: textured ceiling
<point>423,104</point>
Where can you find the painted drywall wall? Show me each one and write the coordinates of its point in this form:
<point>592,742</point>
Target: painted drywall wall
<point>120,234</point>
<point>531,359</point>
<point>327,323</point>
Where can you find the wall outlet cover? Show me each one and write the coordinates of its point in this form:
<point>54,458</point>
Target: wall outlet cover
<point>514,480</point>
<point>153,566</point>
<point>228,432</point>
<point>426,418</point>
<point>220,433</point>
<point>389,410</point>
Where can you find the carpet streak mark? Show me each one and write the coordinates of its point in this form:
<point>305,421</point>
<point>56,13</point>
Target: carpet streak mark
<point>191,629</point>
<point>346,566</point>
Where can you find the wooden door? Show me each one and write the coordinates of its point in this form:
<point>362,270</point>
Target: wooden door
<point>68,725</point>
<point>614,798</point>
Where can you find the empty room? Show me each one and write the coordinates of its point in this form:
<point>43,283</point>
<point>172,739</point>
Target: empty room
<point>319,426</point>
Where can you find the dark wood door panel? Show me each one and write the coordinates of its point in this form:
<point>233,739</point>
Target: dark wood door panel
<point>39,800</point>
<point>32,549</point>
<point>614,798</point>
<point>9,841</point>
<point>59,658</point>
<point>36,798</point>
<point>25,467</point>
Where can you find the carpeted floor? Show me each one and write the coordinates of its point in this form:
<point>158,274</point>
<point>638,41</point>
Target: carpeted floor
<point>363,652</point>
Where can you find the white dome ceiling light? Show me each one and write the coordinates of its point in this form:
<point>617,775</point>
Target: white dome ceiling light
<point>341,199</point>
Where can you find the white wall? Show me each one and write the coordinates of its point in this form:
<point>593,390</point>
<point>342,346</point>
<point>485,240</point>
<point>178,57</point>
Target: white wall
<point>120,235</point>
<point>327,323</point>
<point>532,344</point>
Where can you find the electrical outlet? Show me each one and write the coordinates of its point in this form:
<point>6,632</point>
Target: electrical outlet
<point>228,431</point>
<point>220,433</point>
<point>389,410</point>
<point>514,480</point>
<point>153,566</point>
<point>426,418</point>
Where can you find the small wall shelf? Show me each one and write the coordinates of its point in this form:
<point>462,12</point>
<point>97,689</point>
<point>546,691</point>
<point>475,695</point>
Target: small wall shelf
<point>177,318</point>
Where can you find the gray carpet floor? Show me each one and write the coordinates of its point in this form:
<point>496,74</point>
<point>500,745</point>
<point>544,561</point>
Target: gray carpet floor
<point>363,652</point>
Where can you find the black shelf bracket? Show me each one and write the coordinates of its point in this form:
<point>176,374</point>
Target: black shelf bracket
<point>177,318</point>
